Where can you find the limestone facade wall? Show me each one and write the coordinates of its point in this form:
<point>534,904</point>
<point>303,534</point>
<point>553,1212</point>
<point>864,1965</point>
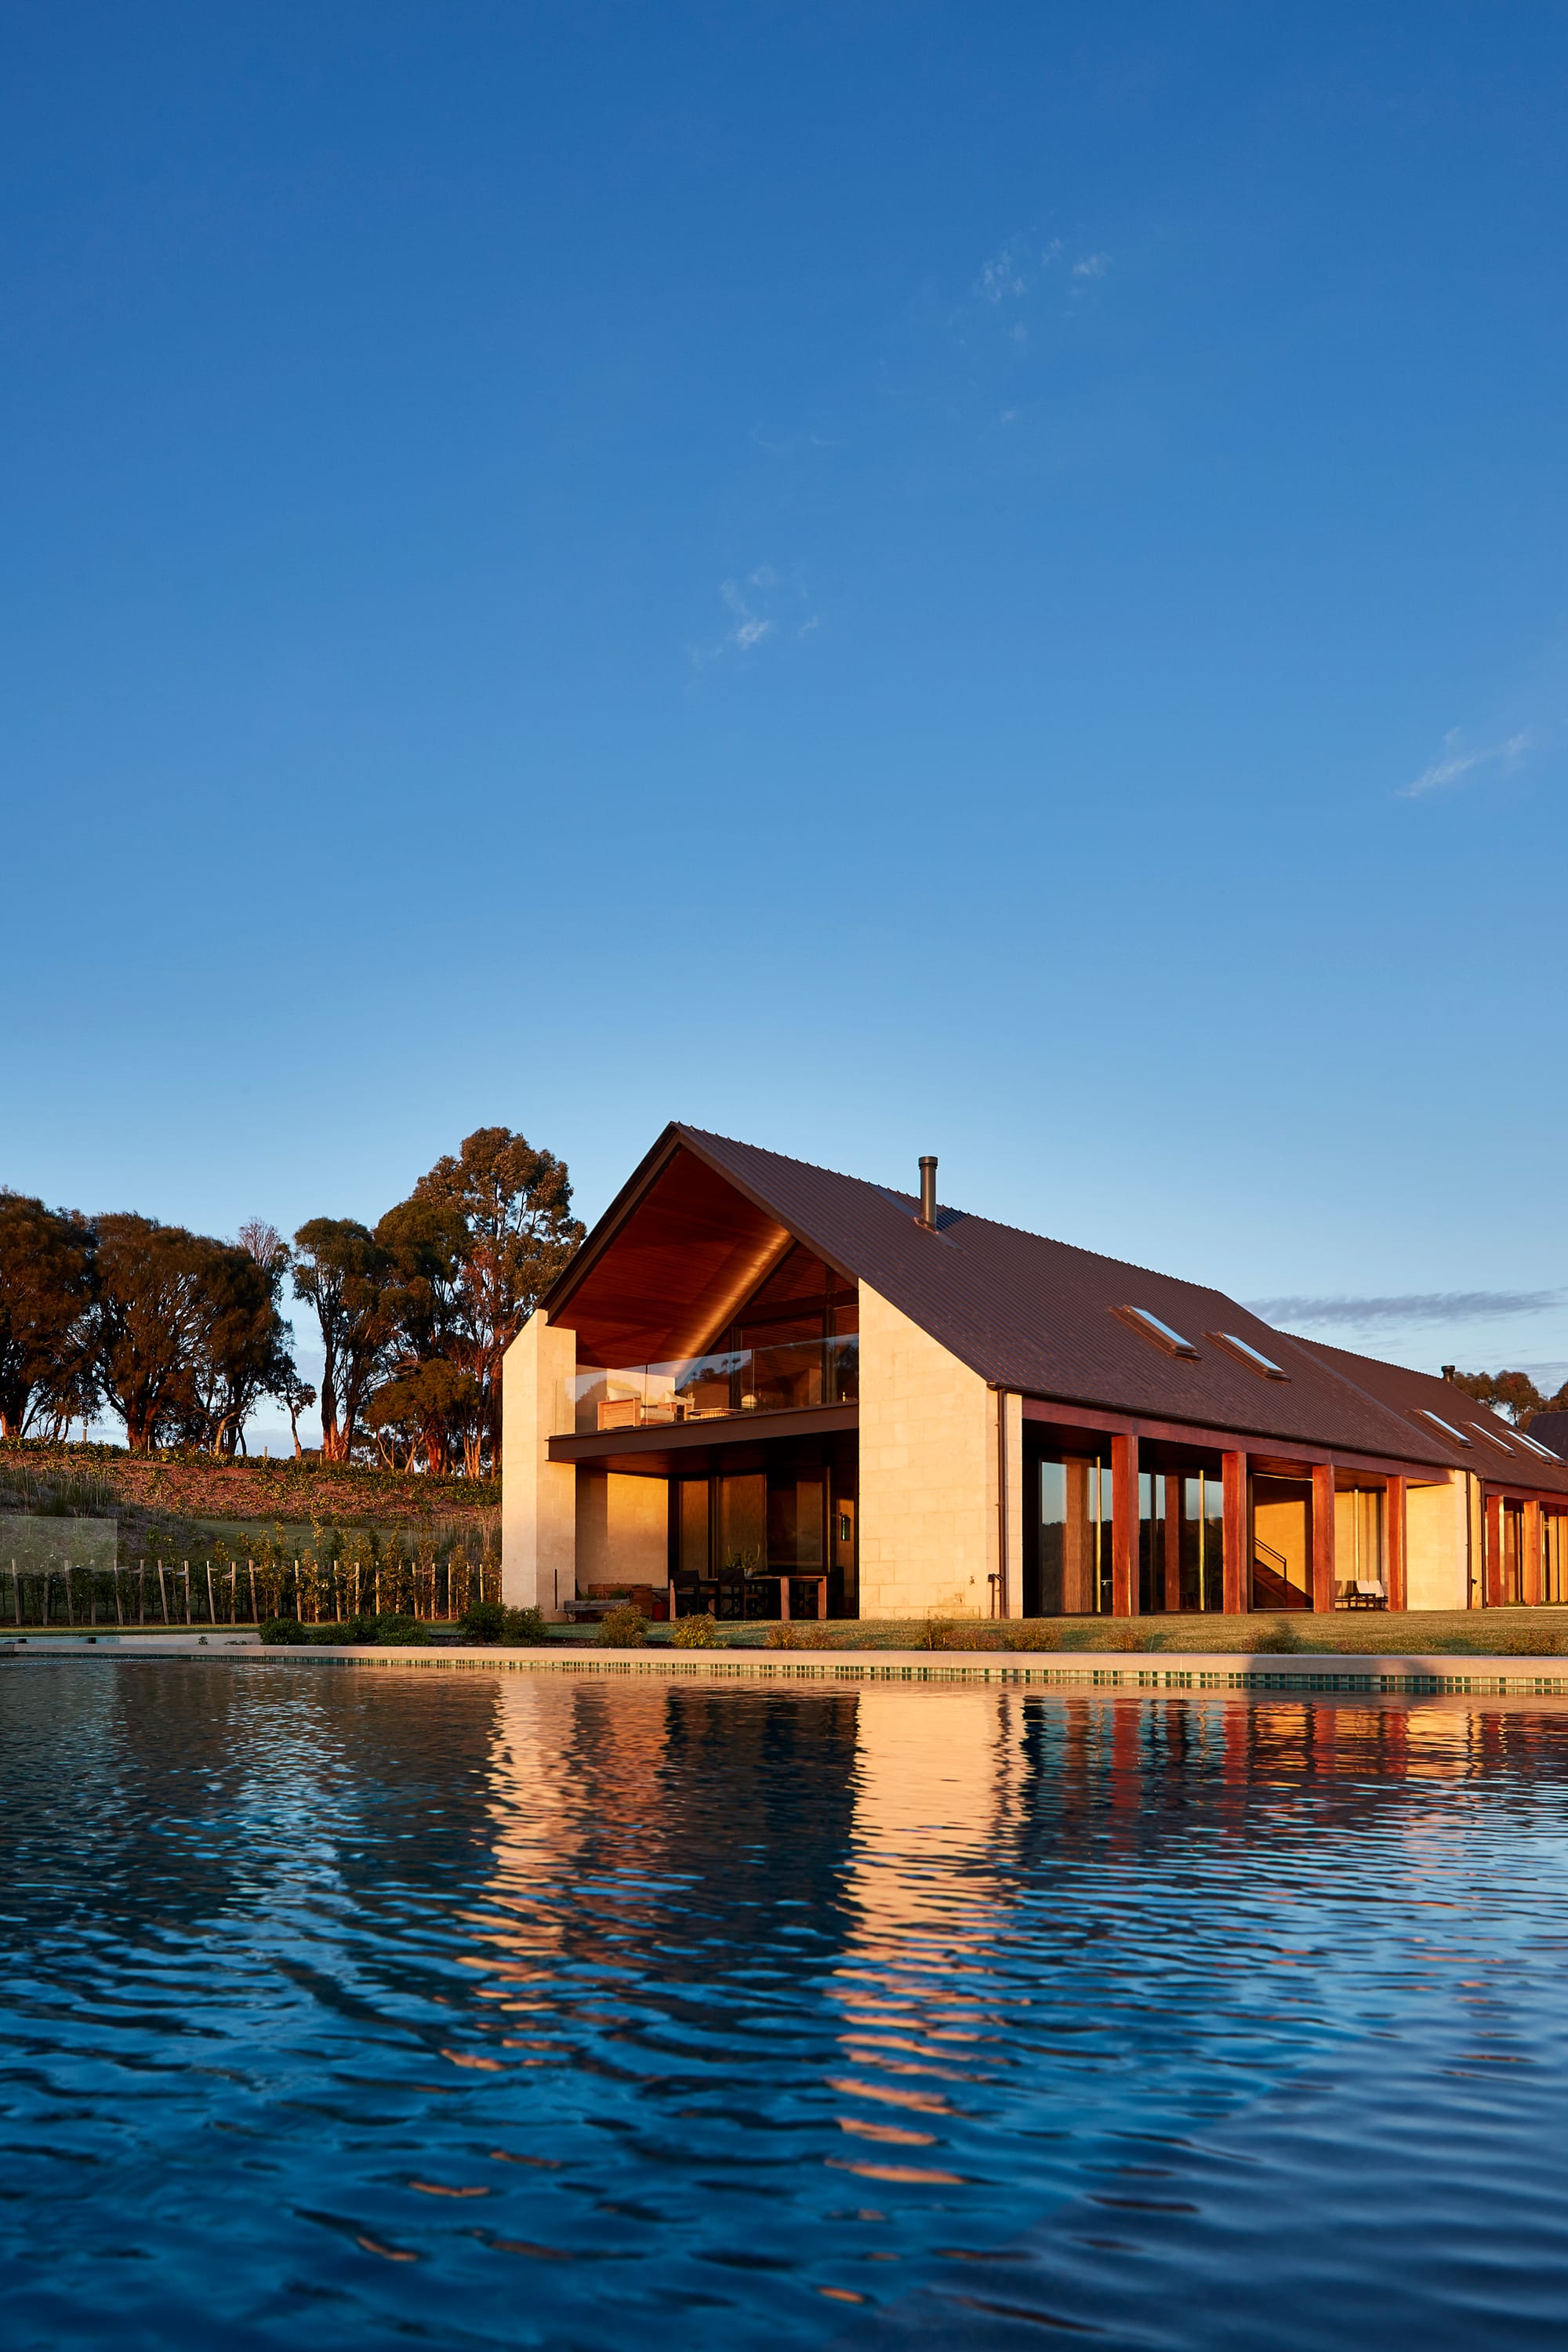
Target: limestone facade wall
<point>1437,1544</point>
<point>623,1530</point>
<point>930,1457</point>
<point>538,1497</point>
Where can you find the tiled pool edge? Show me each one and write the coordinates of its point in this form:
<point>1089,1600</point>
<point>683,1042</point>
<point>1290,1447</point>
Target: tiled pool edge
<point>1172,1671</point>
<point>1237,1670</point>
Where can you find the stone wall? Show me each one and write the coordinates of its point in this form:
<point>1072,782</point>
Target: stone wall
<point>538,1497</point>
<point>1437,1544</point>
<point>929,1474</point>
<point>623,1530</point>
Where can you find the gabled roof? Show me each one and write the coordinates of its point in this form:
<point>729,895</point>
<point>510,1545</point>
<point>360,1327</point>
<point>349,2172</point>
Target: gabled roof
<point>1042,1316</point>
<point>1495,1450</point>
<point>1551,1428</point>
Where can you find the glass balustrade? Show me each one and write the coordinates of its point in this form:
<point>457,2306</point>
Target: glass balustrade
<point>781,1379</point>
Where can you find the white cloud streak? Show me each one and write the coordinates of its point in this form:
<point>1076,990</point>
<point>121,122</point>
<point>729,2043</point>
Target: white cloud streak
<point>1456,763</point>
<point>1413,1306</point>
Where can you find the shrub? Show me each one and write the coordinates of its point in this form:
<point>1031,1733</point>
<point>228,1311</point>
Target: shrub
<point>359,1629</point>
<point>1279,1639</point>
<point>809,1634</point>
<point>405,1630</point>
<point>286,1630</point>
<point>485,1621</point>
<point>623,1628</point>
<point>1130,1636</point>
<point>934,1633</point>
<point>525,1628</point>
<point>697,1633</point>
<point>1035,1633</point>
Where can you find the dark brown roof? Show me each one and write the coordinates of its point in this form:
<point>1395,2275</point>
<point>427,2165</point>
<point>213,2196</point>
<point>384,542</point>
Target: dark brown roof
<point>1496,1449</point>
<point>1551,1428</point>
<point>1039,1316</point>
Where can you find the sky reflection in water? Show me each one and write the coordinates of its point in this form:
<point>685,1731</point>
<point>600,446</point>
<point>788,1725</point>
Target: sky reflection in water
<point>348,2006</point>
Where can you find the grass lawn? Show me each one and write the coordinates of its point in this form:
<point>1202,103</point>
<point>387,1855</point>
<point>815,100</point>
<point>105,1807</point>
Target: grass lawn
<point>1536,1633</point>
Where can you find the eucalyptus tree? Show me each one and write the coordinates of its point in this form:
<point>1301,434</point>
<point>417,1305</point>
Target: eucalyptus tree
<point>46,1297</point>
<point>343,1273</point>
<point>148,1322</point>
<point>515,1206</point>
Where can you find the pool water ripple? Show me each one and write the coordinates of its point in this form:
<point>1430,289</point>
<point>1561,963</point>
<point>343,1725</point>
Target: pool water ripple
<point>344,2008</point>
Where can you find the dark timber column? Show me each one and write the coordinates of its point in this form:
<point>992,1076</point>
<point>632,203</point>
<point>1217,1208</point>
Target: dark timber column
<point>1237,1565</point>
<point>1393,1544</point>
<point>1174,1485</point>
<point>1123,1527</point>
<point>1322,1536</point>
<point>1530,1566</point>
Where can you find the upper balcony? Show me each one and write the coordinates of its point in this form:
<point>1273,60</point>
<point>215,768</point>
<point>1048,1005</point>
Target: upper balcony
<point>789,1376</point>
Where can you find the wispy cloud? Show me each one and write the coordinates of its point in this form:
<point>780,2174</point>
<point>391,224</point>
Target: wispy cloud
<point>751,627</point>
<point>999,280</point>
<point>1412,1306</point>
<point>762,604</point>
<point>1008,278</point>
<point>792,445</point>
<point>1456,761</point>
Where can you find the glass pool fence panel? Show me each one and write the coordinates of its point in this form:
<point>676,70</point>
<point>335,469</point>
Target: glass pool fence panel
<point>783,1377</point>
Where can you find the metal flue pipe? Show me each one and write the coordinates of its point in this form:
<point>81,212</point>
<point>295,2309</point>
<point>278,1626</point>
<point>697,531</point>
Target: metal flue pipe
<point>928,1191</point>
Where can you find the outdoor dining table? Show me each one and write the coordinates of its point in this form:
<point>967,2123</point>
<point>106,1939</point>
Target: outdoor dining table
<point>810,1576</point>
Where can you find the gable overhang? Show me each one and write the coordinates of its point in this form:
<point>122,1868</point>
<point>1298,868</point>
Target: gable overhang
<point>679,1248</point>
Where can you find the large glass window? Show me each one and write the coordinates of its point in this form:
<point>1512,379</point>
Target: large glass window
<point>1358,1537</point>
<point>1181,1541</point>
<point>794,1341</point>
<point>743,1531</point>
<point>1072,1569</point>
<point>691,1527</point>
<point>1281,1543</point>
<point>1159,1505</point>
<point>795,1521</point>
<point>1203,1541</point>
<point>733,1535</point>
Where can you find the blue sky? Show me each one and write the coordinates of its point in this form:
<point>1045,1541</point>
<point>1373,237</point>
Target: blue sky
<point>981,578</point>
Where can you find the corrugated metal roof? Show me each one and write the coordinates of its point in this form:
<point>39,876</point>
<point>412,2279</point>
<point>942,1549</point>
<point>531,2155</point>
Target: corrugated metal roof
<point>1493,1441</point>
<point>1040,1317</point>
<point>1551,1428</point>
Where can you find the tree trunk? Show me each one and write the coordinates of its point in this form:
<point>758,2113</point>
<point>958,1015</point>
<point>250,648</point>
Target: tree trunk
<point>329,1413</point>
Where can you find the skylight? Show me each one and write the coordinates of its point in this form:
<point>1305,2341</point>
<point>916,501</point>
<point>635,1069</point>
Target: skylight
<point>1536,1447</point>
<point>1493,1434</point>
<point>1446,1427</point>
<point>1160,1333</point>
<point>1251,1356</point>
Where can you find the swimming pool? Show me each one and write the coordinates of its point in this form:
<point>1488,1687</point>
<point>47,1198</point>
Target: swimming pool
<point>345,2009</point>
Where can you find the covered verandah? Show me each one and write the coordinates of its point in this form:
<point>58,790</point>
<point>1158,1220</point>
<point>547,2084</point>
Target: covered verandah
<point>1125,1518</point>
<point>748,1524</point>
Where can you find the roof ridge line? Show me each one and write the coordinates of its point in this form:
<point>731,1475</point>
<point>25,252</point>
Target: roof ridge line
<point>975,1216</point>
